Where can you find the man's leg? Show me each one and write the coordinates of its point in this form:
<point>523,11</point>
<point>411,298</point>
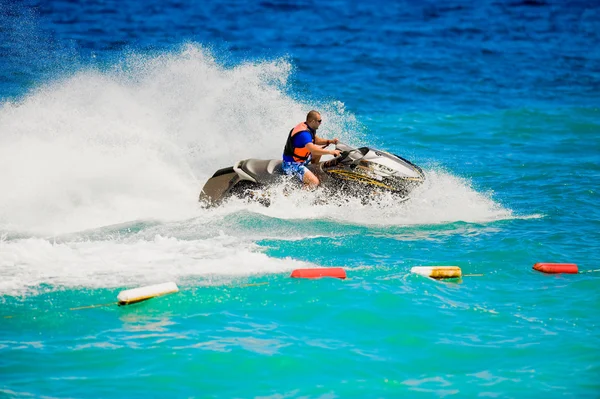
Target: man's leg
<point>310,180</point>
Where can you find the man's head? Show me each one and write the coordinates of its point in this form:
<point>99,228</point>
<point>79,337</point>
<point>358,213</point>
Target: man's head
<point>313,119</point>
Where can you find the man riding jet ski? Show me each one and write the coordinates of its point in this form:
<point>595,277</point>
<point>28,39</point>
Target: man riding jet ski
<point>359,172</point>
<point>303,147</point>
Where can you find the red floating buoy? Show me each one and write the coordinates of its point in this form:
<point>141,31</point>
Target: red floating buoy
<point>554,268</point>
<point>335,272</point>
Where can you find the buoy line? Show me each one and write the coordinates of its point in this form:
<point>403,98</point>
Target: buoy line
<point>135,295</point>
<point>140,294</point>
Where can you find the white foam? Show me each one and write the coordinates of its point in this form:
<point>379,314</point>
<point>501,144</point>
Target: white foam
<point>443,198</point>
<point>28,263</point>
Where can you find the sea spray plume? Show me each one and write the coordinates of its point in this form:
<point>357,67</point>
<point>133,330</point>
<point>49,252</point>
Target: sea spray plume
<point>212,110</point>
<point>218,113</point>
<point>137,141</point>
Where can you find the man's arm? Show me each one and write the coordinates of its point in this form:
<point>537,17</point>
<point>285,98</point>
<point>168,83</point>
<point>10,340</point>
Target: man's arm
<point>322,141</point>
<point>315,149</point>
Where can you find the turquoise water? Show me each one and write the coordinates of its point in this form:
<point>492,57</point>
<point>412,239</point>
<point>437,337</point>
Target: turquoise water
<point>112,118</point>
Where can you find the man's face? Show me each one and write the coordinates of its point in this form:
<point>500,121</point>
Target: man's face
<point>315,123</point>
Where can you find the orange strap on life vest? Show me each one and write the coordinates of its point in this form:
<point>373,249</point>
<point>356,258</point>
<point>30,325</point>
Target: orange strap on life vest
<point>299,154</point>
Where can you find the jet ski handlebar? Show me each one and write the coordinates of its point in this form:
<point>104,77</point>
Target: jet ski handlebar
<point>343,155</point>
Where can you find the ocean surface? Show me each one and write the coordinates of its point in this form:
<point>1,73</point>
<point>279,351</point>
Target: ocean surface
<point>114,114</point>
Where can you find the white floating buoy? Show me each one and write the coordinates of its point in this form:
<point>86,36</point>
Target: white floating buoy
<point>437,272</point>
<point>142,293</point>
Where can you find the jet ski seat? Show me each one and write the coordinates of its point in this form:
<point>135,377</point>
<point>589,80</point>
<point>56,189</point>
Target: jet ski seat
<point>262,169</point>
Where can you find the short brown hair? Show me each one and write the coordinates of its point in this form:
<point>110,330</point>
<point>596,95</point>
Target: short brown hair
<point>312,115</point>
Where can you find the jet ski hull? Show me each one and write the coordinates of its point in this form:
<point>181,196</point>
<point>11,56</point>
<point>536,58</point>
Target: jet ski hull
<point>358,172</point>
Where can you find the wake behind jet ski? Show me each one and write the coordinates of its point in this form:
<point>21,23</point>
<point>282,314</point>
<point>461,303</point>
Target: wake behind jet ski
<point>359,172</point>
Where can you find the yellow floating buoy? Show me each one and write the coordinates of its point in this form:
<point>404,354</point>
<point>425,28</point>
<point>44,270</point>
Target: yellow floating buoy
<point>142,293</point>
<point>437,272</point>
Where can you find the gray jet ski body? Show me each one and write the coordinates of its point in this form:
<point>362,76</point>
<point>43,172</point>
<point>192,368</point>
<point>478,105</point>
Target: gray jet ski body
<point>354,172</point>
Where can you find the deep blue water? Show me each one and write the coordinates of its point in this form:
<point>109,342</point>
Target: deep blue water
<point>114,114</point>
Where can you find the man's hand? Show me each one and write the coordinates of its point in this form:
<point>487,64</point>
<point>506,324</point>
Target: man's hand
<point>335,153</point>
<point>334,141</point>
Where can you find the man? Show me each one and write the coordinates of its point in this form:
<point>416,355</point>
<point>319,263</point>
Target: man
<point>302,146</point>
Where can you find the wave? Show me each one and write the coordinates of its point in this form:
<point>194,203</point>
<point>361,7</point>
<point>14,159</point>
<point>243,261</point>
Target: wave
<point>138,140</point>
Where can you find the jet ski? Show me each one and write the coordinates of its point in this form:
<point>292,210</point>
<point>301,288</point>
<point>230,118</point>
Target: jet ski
<point>361,172</point>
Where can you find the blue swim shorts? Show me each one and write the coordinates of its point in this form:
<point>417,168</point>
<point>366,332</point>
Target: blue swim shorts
<point>295,169</point>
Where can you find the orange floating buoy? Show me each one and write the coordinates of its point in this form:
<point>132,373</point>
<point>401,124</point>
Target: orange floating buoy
<point>554,268</point>
<point>335,272</point>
